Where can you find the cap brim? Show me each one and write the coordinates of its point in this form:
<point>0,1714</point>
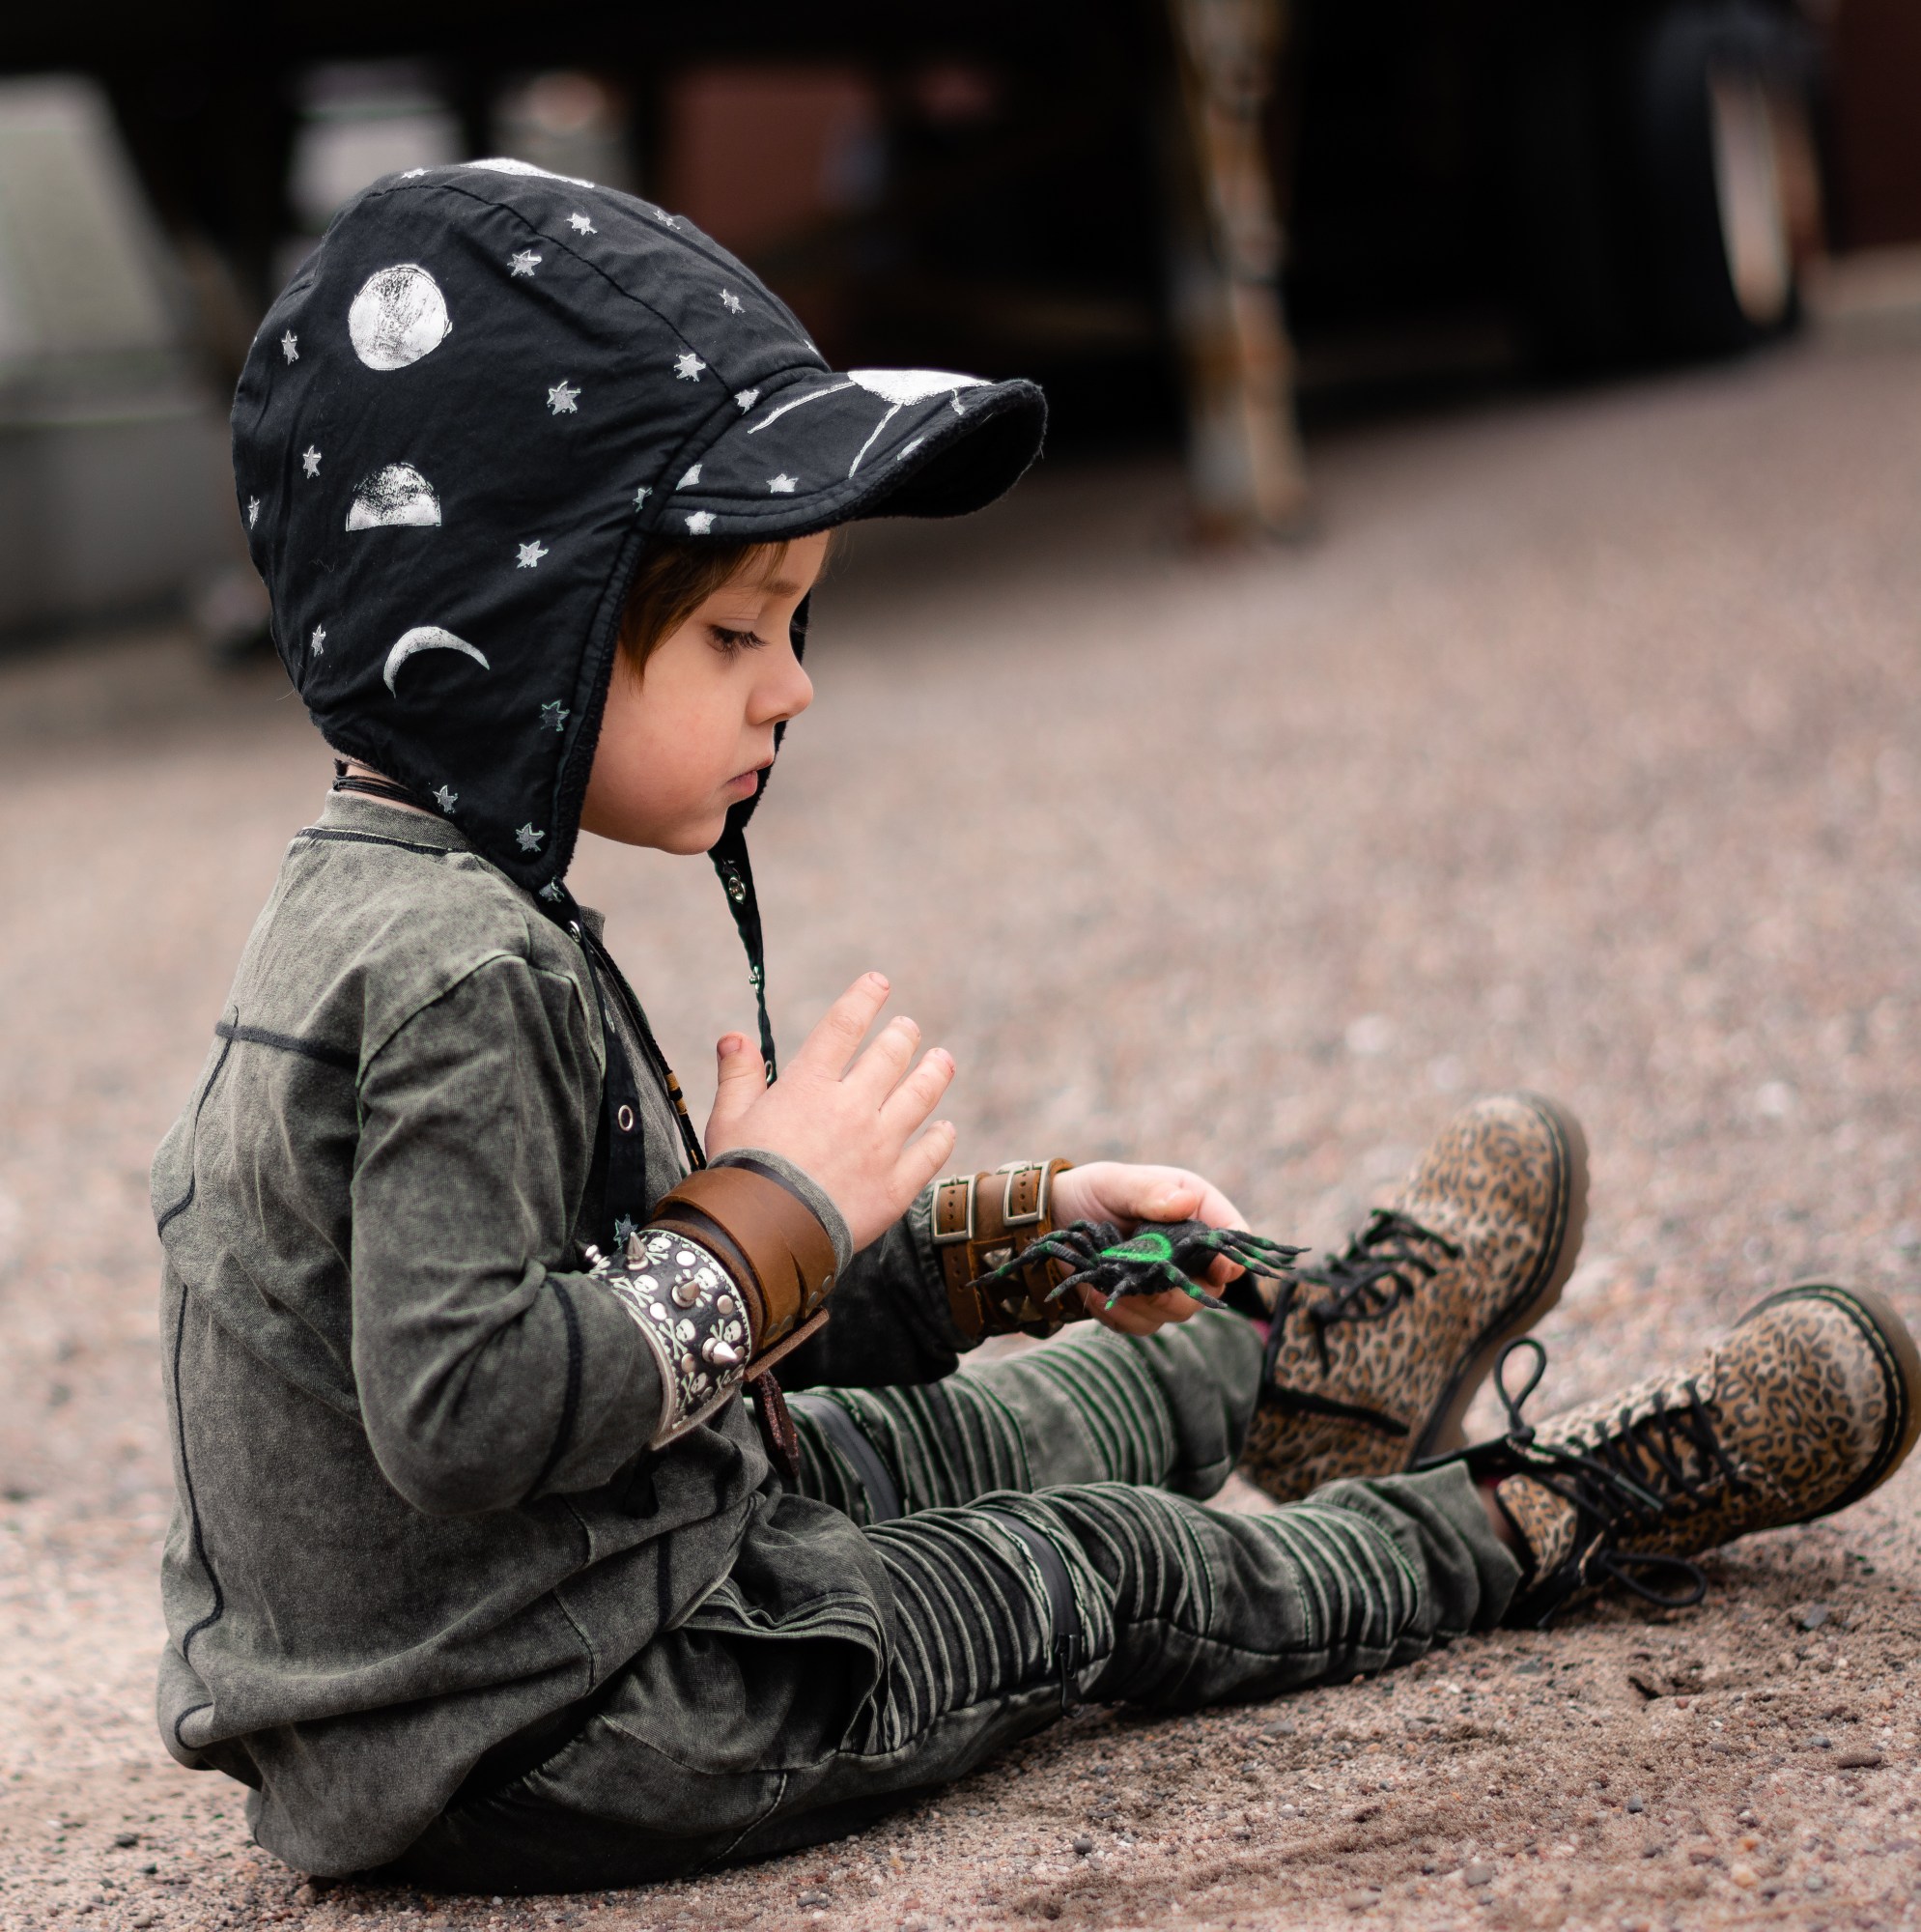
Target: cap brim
<point>828,449</point>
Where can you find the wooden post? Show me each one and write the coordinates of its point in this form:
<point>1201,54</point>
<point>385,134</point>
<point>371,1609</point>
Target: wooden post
<point>1245,468</point>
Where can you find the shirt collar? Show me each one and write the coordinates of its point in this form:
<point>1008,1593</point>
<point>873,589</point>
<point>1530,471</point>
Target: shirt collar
<point>355,812</point>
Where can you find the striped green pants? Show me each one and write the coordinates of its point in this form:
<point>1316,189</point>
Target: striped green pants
<point>1037,1524</point>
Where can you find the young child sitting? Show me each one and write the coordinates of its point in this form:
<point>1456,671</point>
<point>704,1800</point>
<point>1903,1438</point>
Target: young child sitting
<point>499,1560</point>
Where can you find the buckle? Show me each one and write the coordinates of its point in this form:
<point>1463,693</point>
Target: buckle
<point>964,1232</point>
<point>1014,1171</point>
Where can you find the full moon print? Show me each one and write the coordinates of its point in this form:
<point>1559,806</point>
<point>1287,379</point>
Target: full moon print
<point>399,316</point>
<point>397,495</point>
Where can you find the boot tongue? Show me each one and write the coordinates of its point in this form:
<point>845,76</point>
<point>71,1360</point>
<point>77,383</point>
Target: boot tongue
<point>1545,1524</point>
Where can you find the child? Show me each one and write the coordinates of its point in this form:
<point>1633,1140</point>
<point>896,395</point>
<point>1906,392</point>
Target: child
<point>499,1561</point>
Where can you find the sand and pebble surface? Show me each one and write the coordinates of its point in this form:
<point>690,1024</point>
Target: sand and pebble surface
<point>1581,748</point>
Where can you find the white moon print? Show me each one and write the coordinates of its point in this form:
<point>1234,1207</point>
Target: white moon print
<point>505,164</point>
<point>399,495</point>
<point>896,387</point>
<point>399,316</point>
<point>428,637</point>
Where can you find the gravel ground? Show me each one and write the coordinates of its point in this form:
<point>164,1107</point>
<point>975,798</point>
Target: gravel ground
<point>1581,750</point>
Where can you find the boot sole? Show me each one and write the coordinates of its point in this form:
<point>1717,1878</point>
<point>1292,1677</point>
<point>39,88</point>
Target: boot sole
<point>1559,1253</point>
<point>1894,1346</point>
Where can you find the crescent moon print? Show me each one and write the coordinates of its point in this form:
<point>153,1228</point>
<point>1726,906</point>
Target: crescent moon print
<point>397,495</point>
<point>399,316</point>
<point>427,638</point>
<point>896,387</point>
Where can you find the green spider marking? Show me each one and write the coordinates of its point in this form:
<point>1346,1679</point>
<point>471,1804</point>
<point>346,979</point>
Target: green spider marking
<point>1149,1246</point>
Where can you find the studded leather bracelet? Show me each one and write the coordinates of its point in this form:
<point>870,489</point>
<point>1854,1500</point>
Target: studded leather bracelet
<point>981,1222</point>
<point>733,1272</point>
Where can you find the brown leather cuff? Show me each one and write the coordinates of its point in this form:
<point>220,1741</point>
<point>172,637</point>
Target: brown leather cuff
<point>982,1221</point>
<point>769,1239</point>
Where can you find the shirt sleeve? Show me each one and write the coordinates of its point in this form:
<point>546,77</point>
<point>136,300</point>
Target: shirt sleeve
<point>889,1323</point>
<point>488,1371</point>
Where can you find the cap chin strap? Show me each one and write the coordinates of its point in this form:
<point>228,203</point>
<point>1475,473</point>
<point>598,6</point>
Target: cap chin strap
<point>736,870</point>
<point>729,855</point>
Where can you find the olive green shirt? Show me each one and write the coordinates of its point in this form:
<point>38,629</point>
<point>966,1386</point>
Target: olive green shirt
<point>416,1510</point>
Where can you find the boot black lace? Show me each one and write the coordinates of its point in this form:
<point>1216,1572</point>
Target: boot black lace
<point>1644,1470</point>
<point>1383,1266</point>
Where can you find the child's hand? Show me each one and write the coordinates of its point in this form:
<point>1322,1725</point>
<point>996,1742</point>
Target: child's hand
<point>848,1126</point>
<point>1119,1192</point>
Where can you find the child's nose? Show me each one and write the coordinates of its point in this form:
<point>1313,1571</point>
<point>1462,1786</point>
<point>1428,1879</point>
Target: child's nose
<point>788,694</point>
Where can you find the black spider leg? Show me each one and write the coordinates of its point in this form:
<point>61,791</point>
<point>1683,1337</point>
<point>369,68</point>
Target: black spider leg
<point>1270,1260</point>
<point>1078,1246</point>
<point>1605,1486</point>
<point>1381,1269</point>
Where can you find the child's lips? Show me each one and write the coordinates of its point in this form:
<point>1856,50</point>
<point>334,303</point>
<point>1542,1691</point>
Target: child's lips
<point>744,783</point>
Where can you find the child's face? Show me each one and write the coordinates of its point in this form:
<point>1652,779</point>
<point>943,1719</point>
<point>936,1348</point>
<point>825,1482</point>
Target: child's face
<point>686,738</point>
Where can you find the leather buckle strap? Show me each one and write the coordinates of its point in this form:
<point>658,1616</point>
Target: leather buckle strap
<point>773,1242</point>
<point>982,1221</point>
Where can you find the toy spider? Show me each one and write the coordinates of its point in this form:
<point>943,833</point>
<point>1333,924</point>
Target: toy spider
<point>1148,1262</point>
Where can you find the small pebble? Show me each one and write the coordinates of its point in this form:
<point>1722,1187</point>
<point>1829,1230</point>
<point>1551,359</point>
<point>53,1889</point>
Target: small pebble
<point>1819,1743</point>
<point>1745,1876</point>
<point>1814,1882</point>
<point>1477,1874</point>
<point>1814,1616</point>
<point>127,1840</point>
<point>1858,1760</point>
<point>1635,1805</point>
<point>1359,1901</point>
<point>812,1898</point>
<point>1084,1844</point>
<point>1282,1728</point>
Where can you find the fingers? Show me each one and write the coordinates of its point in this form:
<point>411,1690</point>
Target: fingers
<point>1139,1314</point>
<point>743,1079</point>
<point>876,1071</point>
<point>922,1159</point>
<point>920,1094</point>
<point>1215,1208</point>
<point>840,1030</point>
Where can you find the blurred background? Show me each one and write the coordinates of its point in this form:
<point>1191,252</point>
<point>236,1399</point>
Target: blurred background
<point>1465,633</point>
<point>1199,223</point>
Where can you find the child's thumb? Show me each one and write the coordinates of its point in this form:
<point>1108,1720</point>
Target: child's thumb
<point>743,1078</point>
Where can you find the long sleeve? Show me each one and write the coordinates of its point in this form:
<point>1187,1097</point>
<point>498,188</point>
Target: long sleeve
<point>890,1325</point>
<point>486,1371</point>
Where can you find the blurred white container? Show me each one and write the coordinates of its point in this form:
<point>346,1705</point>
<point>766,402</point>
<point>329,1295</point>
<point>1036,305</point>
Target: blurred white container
<point>114,490</point>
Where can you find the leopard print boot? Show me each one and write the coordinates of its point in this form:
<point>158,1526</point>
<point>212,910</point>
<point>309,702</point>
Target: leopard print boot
<point>1373,1357</point>
<point>1812,1401</point>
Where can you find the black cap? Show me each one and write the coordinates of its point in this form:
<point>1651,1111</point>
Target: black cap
<point>461,421</point>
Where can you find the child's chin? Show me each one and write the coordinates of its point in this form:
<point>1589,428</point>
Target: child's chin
<point>689,842</point>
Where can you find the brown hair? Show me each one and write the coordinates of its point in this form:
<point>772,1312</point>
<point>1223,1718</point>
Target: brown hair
<point>674,580</point>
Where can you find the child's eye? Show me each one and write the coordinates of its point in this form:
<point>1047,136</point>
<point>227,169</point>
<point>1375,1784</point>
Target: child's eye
<point>732,643</point>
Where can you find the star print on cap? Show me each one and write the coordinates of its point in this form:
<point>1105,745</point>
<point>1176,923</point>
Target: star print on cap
<point>495,386</point>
